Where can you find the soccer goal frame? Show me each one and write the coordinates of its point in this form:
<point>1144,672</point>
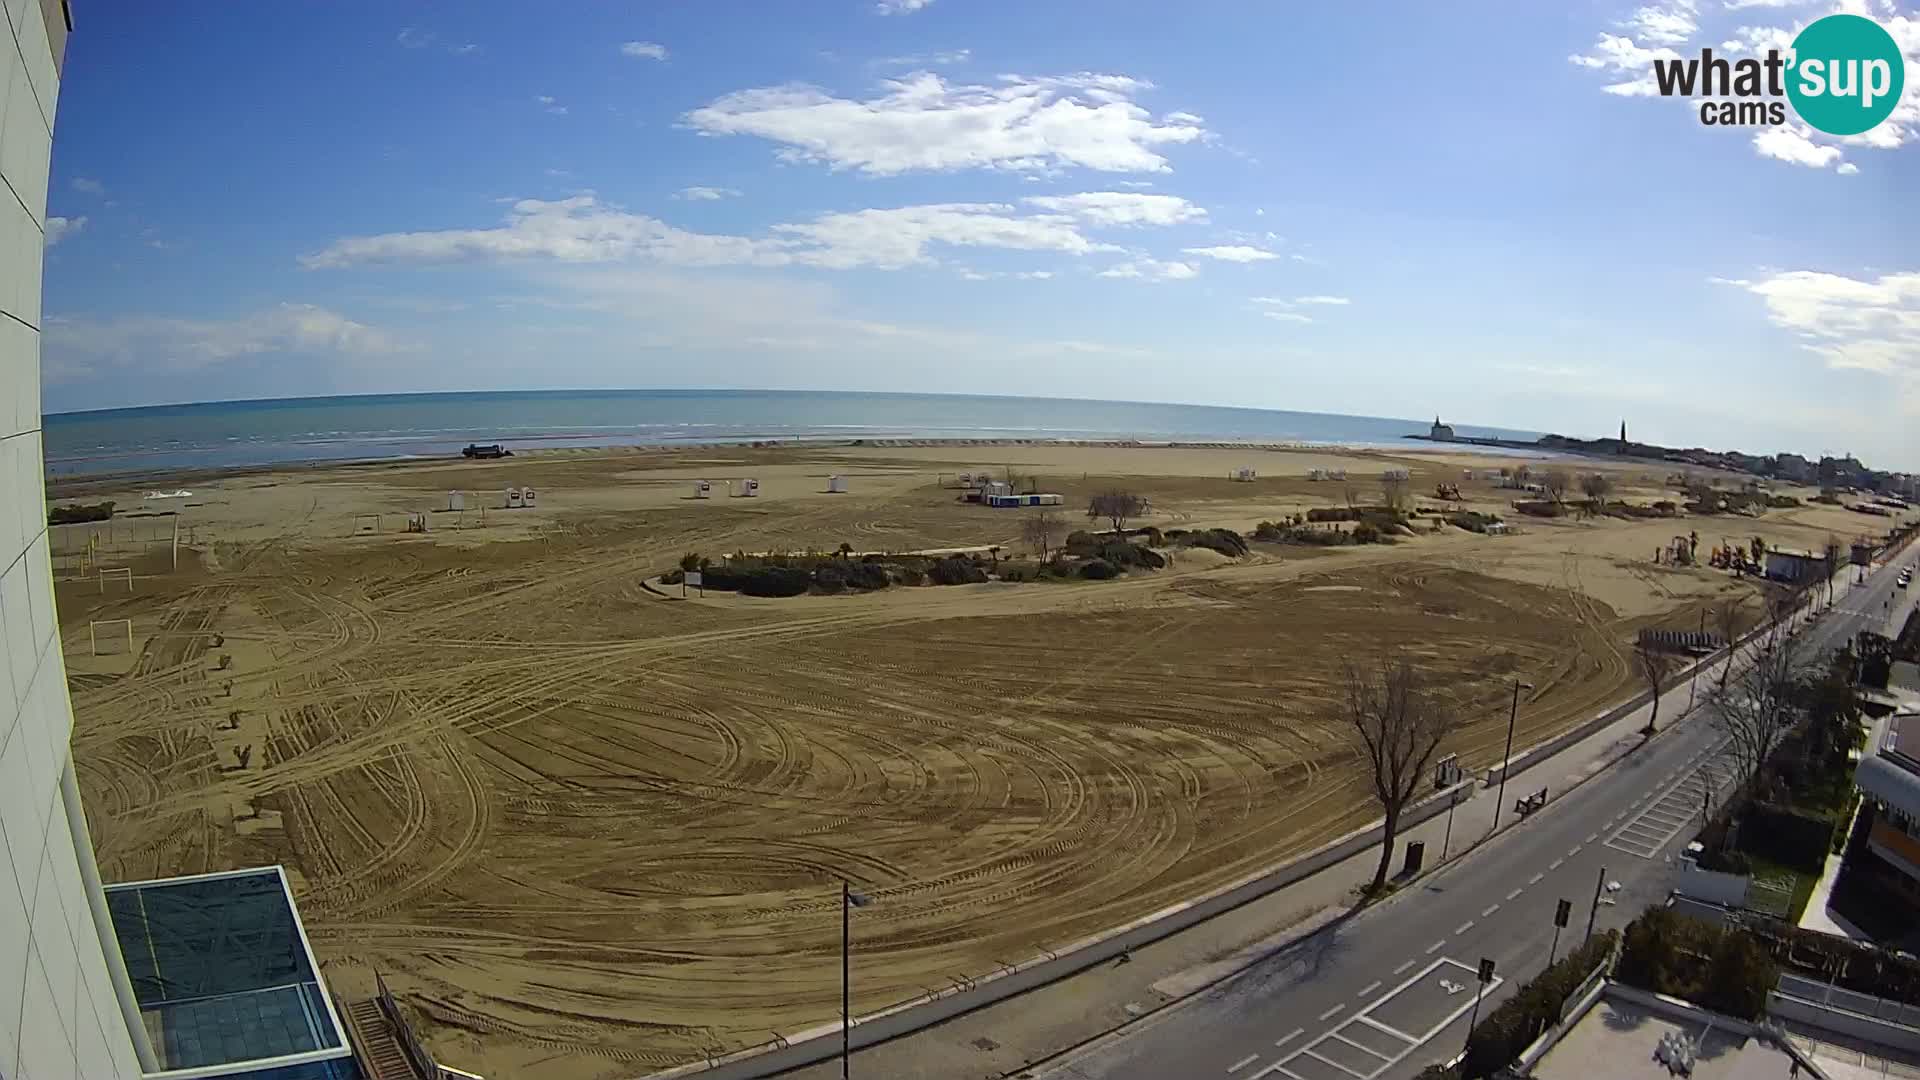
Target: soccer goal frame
<point>124,573</point>
<point>93,633</point>
<point>361,521</point>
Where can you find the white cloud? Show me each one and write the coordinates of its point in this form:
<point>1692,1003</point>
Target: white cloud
<point>1287,316</point>
<point>1866,324</point>
<point>900,7</point>
<point>415,38</point>
<point>706,194</point>
<point>1621,56</point>
<point>1847,168</point>
<point>1792,143</point>
<point>1133,183</point>
<point>78,347</point>
<point>1183,117</point>
<point>644,50</point>
<point>583,230</point>
<point>1122,208</point>
<point>550,104</point>
<point>1668,25</point>
<point>1017,275</point>
<point>59,228</point>
<point>1151,270</point>
<point>88,187</point>
<point>1240,253</point>
<point>1737,5</point>
<point>923,123</point>
<point>1337,300</point>
<point>944,58</point>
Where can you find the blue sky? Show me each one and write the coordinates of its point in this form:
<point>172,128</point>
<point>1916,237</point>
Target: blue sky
<point>1389,211</point>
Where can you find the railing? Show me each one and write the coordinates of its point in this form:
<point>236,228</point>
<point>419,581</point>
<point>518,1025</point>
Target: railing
<point>404,1034</point>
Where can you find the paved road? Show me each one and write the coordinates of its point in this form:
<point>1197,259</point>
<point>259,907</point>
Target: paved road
<point>1392,991</point>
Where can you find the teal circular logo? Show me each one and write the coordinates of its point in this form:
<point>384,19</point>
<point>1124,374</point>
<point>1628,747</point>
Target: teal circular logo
<point>1846,75</point>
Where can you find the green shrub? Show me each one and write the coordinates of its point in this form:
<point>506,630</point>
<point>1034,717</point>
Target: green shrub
<point>1740,975</point>
<point>1153,536</point>
<point>1269,532</point>
<point>1225,541</point>
<point>955,570</point>
<point>866,575</point>
<point>1082,543</point>
<point>1099,570</point>
<point>1725,969</point>
<point>1366,533</point>
<point>690,561</point>
<point>1019,571</point>
<point>1320,514</point>
<point>830,579</point>
<point>1545,508</point>
<point>1788,837</point>
<point>1499,1039</point>
<point>1472,520</point>
<point>1128,555</point>
<point>776,581</point>
<point>1318,537</point>
<point>80,512</point>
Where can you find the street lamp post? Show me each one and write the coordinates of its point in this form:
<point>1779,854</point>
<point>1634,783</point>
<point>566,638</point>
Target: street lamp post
<point>848,901</point>
<point>1506,762</point>
<point>1693,684</point>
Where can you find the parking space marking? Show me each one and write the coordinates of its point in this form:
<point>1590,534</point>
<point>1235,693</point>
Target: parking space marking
<point>1670,811</point>
<point>1335,1041</point>
<point>1331,1013</point>
<point>1242,1063</point>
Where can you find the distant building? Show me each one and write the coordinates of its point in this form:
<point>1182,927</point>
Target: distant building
<point>1440,432</point>
<point>1786,564</point>
<point>1889,777</point>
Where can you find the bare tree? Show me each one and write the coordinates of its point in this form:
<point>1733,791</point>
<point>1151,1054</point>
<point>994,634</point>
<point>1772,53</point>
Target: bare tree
<point>1830,563</point>
<point>1597,487</point>
<point>1352,496</point>
<point>1398,725</point>
<point>1556,481</point>
<point>1116,507</point>
<point>1757,708</point>
<point>1654,666</point>
<point>1042,531</point>
<point>1393,491</point>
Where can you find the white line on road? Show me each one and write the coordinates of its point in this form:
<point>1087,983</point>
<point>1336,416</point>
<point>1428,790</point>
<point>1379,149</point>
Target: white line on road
<point>1369,988</point>
<point>1331,1013</point>
<point>1591,837</point>
<point>1491,908</point>
<point>1575,850</point>
<point>1242,1063</point>
<point>1289,1036</point>
<point>1515,893</point>
<point>1436,947</point>
<point>1403,967</point>
<point>1535,879</point>
<point>1555,864</point>
<point>1463,928</point>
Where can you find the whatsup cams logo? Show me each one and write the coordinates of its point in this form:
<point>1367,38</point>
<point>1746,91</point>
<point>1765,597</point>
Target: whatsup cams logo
<point>1843,75</point>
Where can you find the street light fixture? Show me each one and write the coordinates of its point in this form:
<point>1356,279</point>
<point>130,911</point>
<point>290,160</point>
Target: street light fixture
<point>848,901</point>
<point>1506,761</point>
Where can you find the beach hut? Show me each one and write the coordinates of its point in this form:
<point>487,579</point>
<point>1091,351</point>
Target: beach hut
<point>1243,474</point>
<point>837,484</point>
<point>456,500</point>
<point>526,497</point>
<point>1048,499</point>
<point>703,489</point>
<point>966,479</point>
<point>996,487</point>
<point>1316,474</point>
<point>1336,474</point>
<point>746,488</point>
<point>514,498</point>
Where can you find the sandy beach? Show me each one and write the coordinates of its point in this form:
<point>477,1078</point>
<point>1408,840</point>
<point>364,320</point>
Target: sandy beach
<point>591,828</point>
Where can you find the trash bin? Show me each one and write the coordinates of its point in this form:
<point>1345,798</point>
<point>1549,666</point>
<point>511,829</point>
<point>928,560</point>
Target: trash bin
<point>1416,857</point>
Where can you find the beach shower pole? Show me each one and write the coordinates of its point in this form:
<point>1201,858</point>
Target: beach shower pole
<point>848,901</point>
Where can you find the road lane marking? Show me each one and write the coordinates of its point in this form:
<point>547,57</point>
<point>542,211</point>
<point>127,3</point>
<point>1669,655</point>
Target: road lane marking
<point>1535,879</point>
<point>1289,1036</point>
<point>1331,1013</point>
<point>1575,850</point>
<point>1555,864</point>
<point>1515,893</point>
<point>1436,947</point>
<point>1491,908</point>
<point>1591,837</point>
<point>1463,928</point>
<point>1242,1063</point>
<point>1369,988</point>
<point>1403,967</point>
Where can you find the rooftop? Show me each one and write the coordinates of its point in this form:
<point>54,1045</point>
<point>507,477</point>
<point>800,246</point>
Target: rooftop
<point>224,976</point>
<point>1617,1039</point>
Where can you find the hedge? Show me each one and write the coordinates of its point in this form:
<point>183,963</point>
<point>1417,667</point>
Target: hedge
<point>1788,837</point>
<point>1099,570</point>
<point>1499,1039</point>
<point>80,512</point>
<point>1726,970</point>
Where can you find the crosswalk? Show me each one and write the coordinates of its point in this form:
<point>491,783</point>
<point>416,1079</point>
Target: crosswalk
<point>1681,806</point>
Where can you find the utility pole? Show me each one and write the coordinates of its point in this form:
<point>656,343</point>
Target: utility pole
<point>1594,911</point>
<point>1693,684</point>
<point>1506,763</point>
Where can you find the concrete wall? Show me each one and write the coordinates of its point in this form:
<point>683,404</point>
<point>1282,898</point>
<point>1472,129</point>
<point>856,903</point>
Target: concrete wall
<point>1867,1028</point>
<point>59,1016</point>
<point>1711,885</point>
